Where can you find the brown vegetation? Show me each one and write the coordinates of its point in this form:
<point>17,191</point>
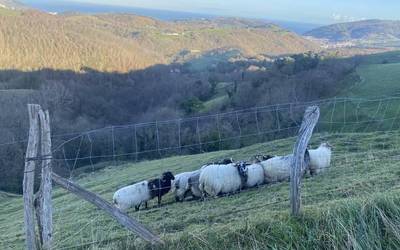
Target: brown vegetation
<point>34,40</point>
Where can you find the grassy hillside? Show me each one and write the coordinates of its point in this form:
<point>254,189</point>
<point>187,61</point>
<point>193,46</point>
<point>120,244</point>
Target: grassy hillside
<point>373,32</point>
<point>355,204</point>
<point>376,80</point>
<point>119,42</point>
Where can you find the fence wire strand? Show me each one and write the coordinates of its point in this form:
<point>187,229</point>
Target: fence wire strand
<point>340,117</point>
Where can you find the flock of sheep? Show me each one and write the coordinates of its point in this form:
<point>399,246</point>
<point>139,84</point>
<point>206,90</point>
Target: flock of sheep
<point>222,177</point>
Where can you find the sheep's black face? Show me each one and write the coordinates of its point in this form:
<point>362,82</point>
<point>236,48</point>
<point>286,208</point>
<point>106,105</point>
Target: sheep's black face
<point>167,176</point>
<point>242,168</point>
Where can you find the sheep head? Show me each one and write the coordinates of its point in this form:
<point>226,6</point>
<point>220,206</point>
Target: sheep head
<point>242,170</point>
<point>167,176</point>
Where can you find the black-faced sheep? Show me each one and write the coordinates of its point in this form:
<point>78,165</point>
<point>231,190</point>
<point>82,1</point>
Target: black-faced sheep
<point>141,192</point>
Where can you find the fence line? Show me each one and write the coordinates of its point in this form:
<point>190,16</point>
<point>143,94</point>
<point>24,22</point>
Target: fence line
<point>227,130</point>
<point>271,108</point>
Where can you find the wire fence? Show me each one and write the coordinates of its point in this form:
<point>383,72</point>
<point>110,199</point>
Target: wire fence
<point>364,132</point>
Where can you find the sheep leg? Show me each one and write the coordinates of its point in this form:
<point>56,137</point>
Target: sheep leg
<point>145,204</point>
<point>137,208</point>
<point>159,201</point>
<point>203,196</point>
<point>313,173</point>
<point>186,194</point>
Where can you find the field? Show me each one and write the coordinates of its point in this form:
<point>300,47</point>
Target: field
<point>355,204</point>
<point>376,80</point>
<point>372,94</point>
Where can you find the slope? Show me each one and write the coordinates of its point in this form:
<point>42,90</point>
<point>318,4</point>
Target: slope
<point>118,42</point>
<point>361,188</point>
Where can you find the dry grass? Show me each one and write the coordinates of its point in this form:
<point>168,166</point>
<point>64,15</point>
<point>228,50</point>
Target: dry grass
<point>355,204</point>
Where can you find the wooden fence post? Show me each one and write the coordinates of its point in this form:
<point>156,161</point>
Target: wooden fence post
<point>310,119</point>
<point>45,208</point>
<point>29,176</point>
<point>114,212</point>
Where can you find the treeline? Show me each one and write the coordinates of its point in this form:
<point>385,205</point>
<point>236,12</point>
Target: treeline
<point>92,99</point>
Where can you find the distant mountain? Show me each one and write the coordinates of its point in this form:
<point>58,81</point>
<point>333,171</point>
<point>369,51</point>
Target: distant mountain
<point>123,42</point>
<point>364,32</point>
<point>62,6</point>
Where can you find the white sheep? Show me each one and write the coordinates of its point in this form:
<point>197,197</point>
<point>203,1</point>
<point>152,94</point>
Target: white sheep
<point>222,179</point>
<point>180,186</point>
<point>132,196</point>
<point>255,175</point>
<point>277,168</point>
<point>320,158</point>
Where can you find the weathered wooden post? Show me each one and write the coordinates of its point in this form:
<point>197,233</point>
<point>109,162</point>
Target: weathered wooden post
<point>310,119</point>
<point>46,210</point>
<point>40,134</point>
<point>29,176</point>
<point>39,204</point>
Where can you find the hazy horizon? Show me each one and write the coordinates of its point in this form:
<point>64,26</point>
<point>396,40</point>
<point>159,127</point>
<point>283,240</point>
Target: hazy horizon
<point>168,15</point>
<point>307,11</point>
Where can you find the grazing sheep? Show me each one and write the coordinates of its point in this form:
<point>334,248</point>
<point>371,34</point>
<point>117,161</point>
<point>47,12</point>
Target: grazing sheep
<point>132,196</point>
<point>141,192</point>
<point>180,186</point>
<point>255,175</point>
<point>222,179</point>
<point>194,185</point>
<point>320,158</point>
<point>255,171</point>
<point>277,168</point>
<point>159,187</point>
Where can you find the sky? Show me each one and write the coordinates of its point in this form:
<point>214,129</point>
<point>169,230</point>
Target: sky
<point>307,11</point>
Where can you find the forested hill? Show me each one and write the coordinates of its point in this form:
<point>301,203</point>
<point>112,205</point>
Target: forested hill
<point>121,42</point>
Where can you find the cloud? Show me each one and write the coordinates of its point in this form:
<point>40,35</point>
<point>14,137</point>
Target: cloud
<point>343,18</point>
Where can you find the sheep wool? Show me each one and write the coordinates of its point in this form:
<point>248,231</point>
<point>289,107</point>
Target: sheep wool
<point>277,169</point>
<point>220,179</point>
<point>194,185</point>
<point>180,186</point>
<point>132,196</point>
<point>255,175</point>
<point>320,158</point>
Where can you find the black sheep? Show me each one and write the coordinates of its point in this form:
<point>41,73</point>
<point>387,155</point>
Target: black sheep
<point>159,187</point>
